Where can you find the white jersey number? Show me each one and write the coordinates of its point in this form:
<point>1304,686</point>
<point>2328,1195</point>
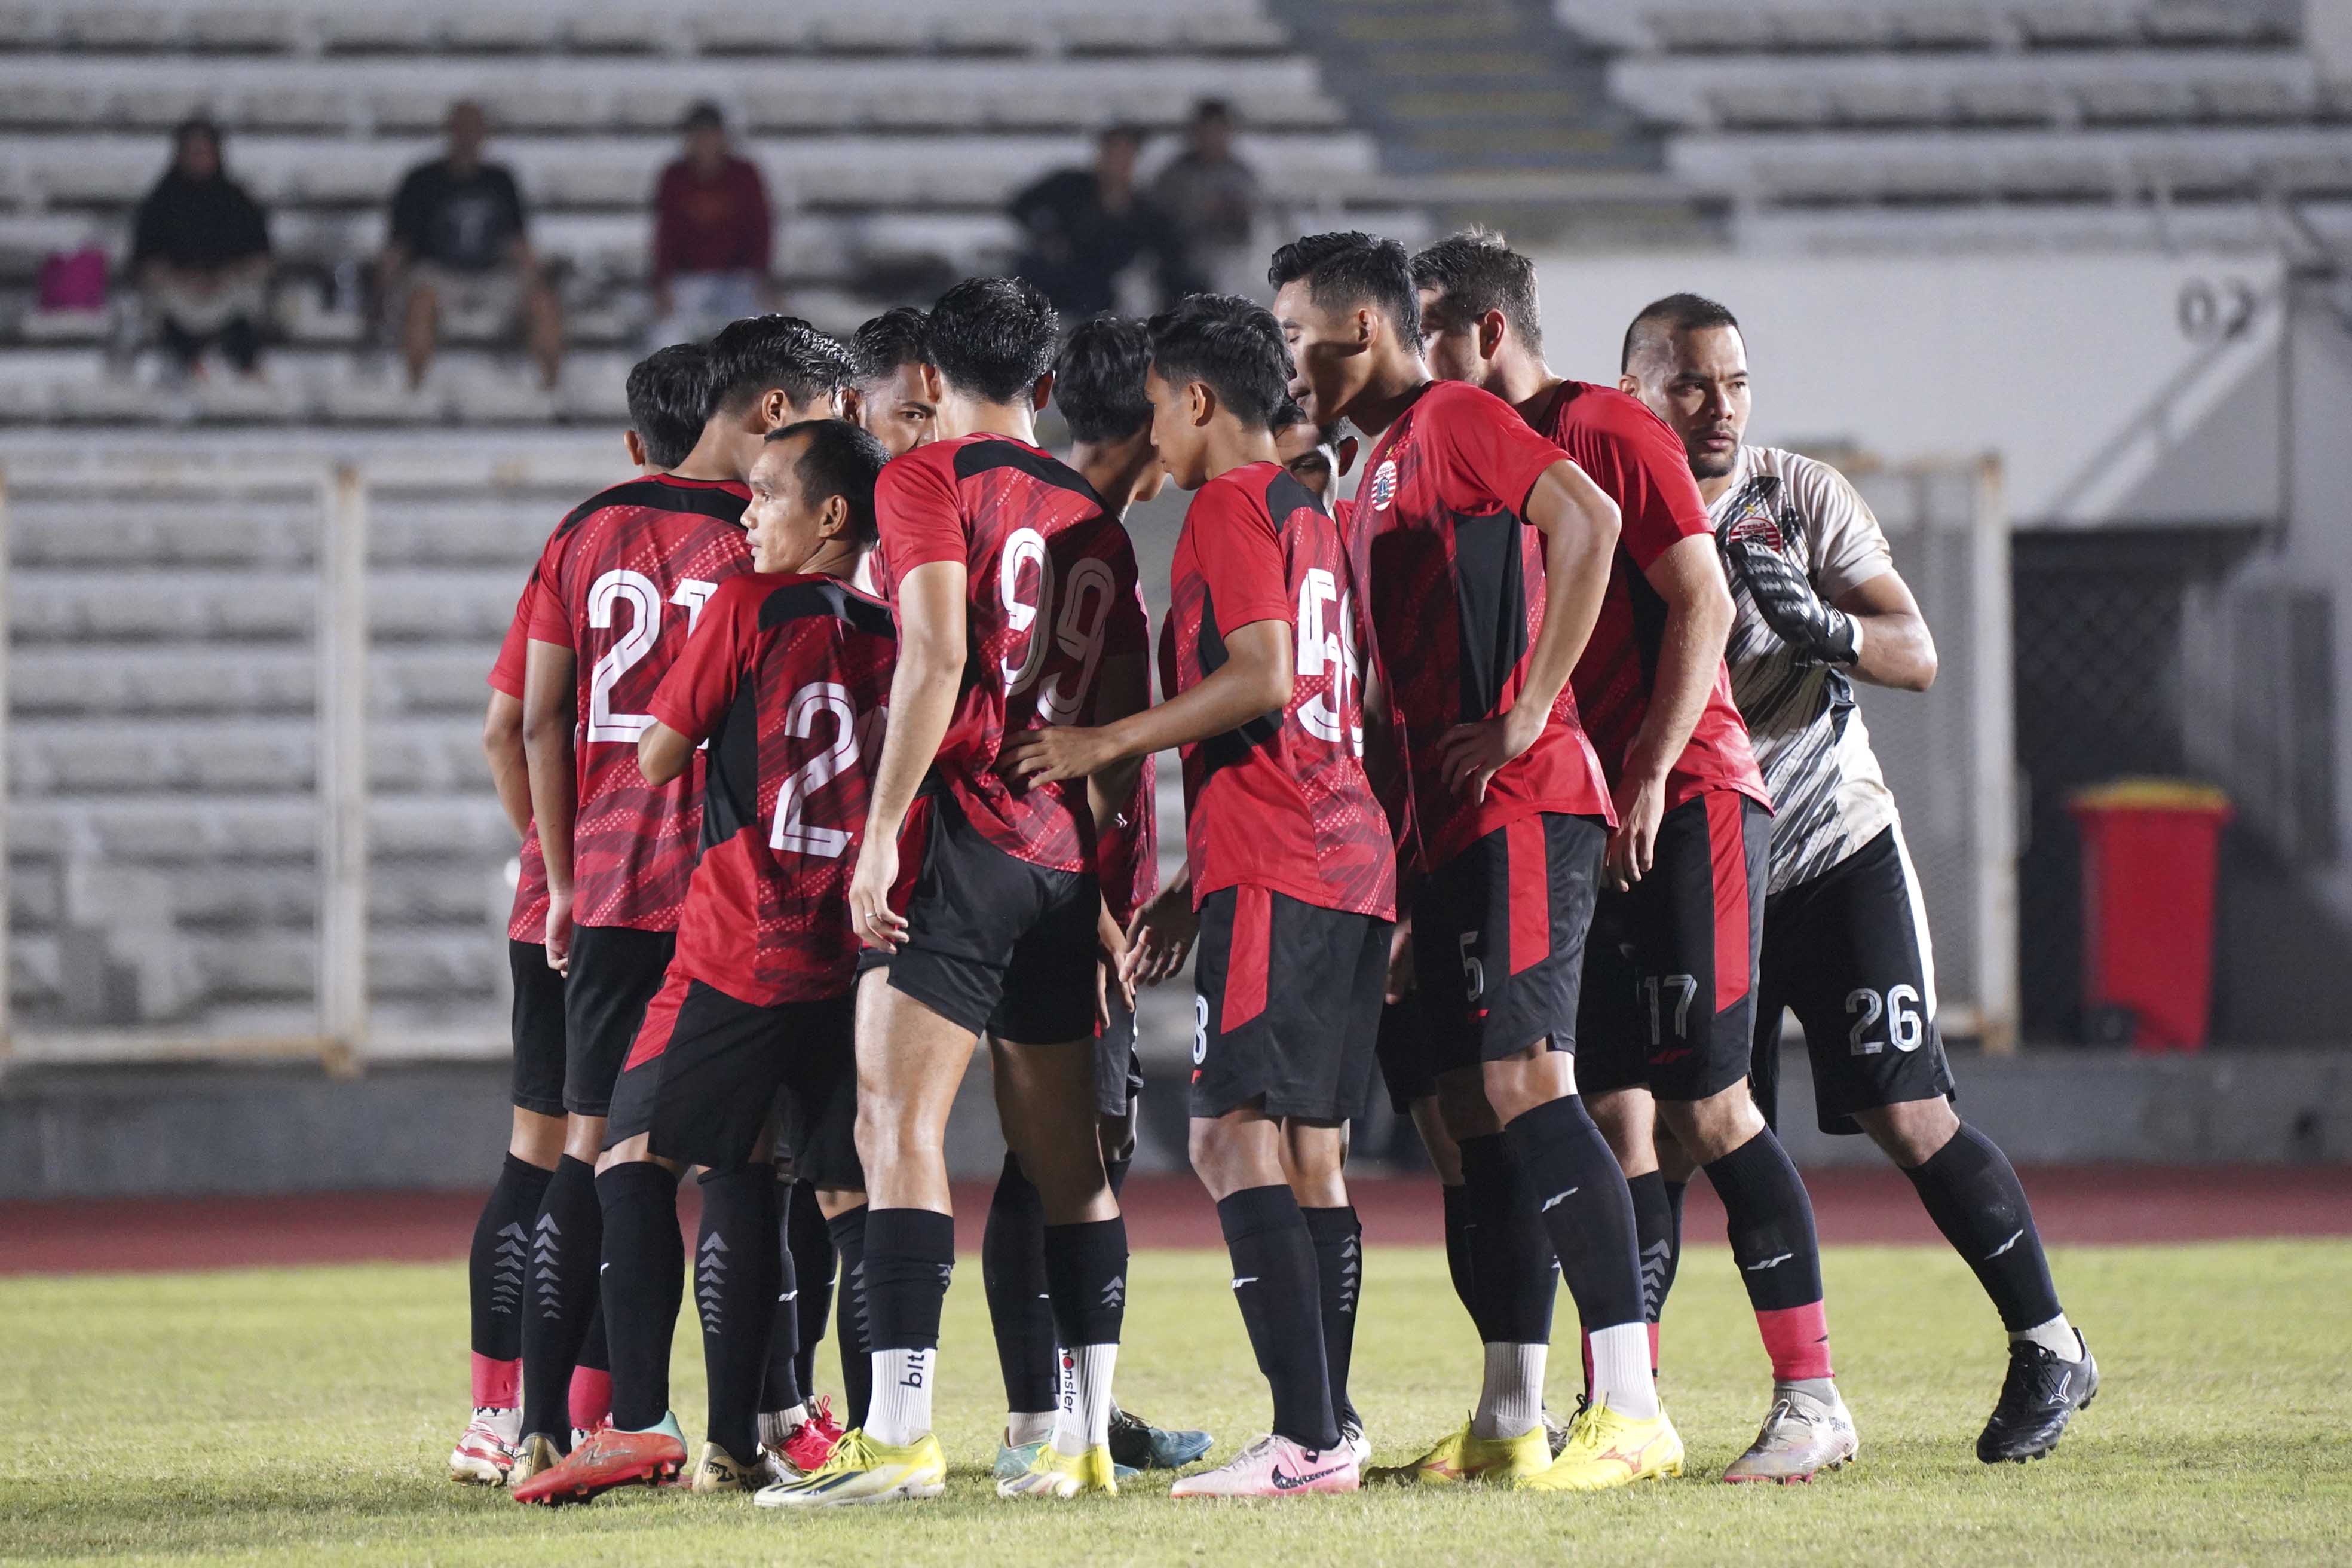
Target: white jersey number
<point>642,595</point>
<point>1079,619</point>
<point>1326,643</point>
<point>818,698</point>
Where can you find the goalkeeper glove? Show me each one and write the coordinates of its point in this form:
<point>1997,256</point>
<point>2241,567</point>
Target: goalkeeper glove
<point>1798,615</point>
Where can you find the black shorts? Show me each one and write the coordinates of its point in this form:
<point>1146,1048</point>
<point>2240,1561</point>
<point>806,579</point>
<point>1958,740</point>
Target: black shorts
<point>1848,952</point>
<point>1286,1006</point>
<point>1498,940</point>
<point>1407,1057</point>
<point>538,1066</point>
<point>1118,1071</point>
<point>615,970</point>
<point>706,1070</point>
<point>1670,973</point>
<point>994,944</point>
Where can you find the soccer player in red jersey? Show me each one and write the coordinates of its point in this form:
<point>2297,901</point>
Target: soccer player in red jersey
<point>785,680</point>
<point>1288,862</point>
<point>1486,555</point>
<point>1098,388</point>
<point>1668,1005</point>
<point>666,396</point>
<point>897,387</point>
<point>1008,577</point>
<point>621,583</point>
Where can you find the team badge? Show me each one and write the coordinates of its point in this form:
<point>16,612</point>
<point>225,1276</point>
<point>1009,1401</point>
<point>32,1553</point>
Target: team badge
<point>1384,485</point>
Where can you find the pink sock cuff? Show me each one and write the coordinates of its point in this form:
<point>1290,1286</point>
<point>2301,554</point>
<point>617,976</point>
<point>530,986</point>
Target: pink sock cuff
<point>591,1397</point>
<point>497,1384</point>
<point>1654,1350</point>
<point>1797,1341</point>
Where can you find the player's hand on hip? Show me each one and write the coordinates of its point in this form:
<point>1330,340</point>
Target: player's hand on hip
<point>558,931</point>
<point>1470,754</point>
<point>1052,754</point>
<point>870,914</point>
<point>1633,846</point>
<point>1798,615</point>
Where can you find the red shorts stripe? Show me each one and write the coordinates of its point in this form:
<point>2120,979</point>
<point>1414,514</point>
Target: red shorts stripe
<point>1530,873</point>
<point>1726,840</point>
<point>661,1021</point>
<point>1247,958</point>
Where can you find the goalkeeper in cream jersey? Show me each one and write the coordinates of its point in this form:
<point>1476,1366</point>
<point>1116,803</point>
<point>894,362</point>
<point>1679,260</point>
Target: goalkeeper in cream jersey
<point>1818,606</point>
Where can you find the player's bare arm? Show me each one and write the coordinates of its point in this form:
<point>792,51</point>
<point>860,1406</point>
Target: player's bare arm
<point>1897,649</point>
<point>510,770</point>
<point>547,730</point>
<point>1578,522</point>
<point>1689,578</point>
<point>1125,688</point>
<point>1254,681</point>
<point>923,688</point>
<point>662,753</point>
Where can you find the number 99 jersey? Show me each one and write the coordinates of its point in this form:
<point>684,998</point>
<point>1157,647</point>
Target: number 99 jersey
<point>622,583</point>
<point>788,679</point>
<point>1050,584</point>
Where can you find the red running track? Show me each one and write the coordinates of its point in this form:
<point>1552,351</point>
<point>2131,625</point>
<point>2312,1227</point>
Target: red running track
<point>2073,1205</point>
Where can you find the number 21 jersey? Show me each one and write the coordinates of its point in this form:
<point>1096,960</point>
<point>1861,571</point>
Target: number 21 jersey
<point>622,583</point>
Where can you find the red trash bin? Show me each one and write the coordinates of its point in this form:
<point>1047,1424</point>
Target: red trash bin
<point>2151,853</point>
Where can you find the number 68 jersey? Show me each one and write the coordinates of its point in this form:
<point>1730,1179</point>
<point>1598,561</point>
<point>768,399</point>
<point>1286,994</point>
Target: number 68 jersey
<point>622,583</point>
<point>788,679</point>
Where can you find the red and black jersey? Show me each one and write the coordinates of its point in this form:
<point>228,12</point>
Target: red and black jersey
<point>788,679</point>
<point>1281,802</point>
<point>1456,603</point>
<point>1128,851</point>
<point>1051,577</point>
<point>1632,455</point>
<point>528,920</point>
<point>621,583</point>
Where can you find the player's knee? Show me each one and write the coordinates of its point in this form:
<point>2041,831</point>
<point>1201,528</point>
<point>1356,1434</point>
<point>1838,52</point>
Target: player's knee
<point>1626,1118</point>
<point>1713,1127</point>
<point>1913,1131</point>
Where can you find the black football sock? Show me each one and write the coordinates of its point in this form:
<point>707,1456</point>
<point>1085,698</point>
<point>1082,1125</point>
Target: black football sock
<point>1115,1172</point>
<point>1085,1274</point>
<point>1276,1285</point>
<point>1654,1223</point>
<point>1338,1238</point>
<point>737,1259</point>
<point>910,1258</point>
<point>1579,1192</point>
<point>643,1273</point>
<point>1769,1220</point>
<point>851,1323</point>
<point>566,1240</point>
<point>1460,1228</point>
<point>1972,1193</point>
<point>494,1281</point>
<point>1676,1191</point>
<point>781,1387</point>
<point>809,1239</point>
<point>1510,1250</point>
<point>1020,1309</point>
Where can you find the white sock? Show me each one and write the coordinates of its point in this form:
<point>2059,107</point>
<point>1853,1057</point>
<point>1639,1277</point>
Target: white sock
<point>1023,1427</point>
<point>1620,1371</point>
<point>901,1408</point>
<point>2056,1336</point>
<point>1083,1420</point>
<point>505,1420</point>
<point>777,1427</point>
<point>1510,1401</point>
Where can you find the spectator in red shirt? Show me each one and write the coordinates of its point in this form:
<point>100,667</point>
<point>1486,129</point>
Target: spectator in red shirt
<point>713,235</point>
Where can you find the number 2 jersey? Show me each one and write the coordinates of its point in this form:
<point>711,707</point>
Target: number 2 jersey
<point>787,679</point>
<point>1051,585</point>
<point>1282,801</point>
<point>621,583</point>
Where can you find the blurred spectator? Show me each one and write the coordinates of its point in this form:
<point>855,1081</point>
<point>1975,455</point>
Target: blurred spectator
<point>1084,227</point>
<point>1211,197</point>
<point>713,235</point>
<point>459,251</point>
<point>200,253</point>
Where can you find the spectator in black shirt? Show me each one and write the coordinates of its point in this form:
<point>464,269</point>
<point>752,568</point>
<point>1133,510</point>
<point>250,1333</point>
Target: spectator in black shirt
<point>200,254</point>
<point>459,249</point>
<point>1082,227</point>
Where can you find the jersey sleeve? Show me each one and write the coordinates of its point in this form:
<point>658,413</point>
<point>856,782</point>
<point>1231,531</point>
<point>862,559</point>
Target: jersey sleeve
<point>549,622</point>
<point>915,510</point>
<point>1487,455</point>
<point>697,691</point>
<point>1240,557</point>
<point>507,671</point>
<point>1630,454</point>
<point>1848,547</point>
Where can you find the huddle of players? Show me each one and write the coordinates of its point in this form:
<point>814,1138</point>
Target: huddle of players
<point>1428,744</point>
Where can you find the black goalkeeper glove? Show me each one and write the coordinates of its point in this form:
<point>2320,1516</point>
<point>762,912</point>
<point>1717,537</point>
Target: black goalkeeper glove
<point>1798,615</point>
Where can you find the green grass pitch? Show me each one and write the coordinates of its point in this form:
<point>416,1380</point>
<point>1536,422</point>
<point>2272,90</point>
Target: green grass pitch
<point>302,1416</point>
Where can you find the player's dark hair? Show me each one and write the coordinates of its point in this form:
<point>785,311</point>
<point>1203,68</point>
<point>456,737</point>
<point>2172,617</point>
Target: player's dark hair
<point>704,115</point>
<point>900,335</point>
<point>1231,345</point>
<point>1099,379</point>
<point>1661,318</point>
<point>750,356</point>
<point>838,458</point>
<point>1476,271</point>
<point>1348,269</point>
<point>669,393</point>
<point>1211,108</point>
<point>991,338</point>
